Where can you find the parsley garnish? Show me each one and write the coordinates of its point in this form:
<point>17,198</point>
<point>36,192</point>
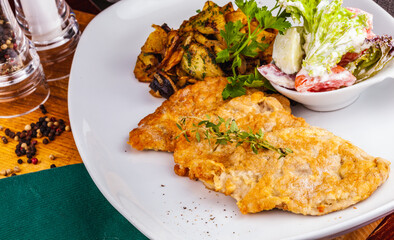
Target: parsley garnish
<point>207,130</point>
<point>241,45</point>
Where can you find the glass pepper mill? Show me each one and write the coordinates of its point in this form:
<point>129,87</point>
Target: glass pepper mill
<point>54,30</point>
<point>23,87</point>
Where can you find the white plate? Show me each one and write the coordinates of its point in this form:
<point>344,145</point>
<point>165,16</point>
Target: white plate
<point>106,102</point>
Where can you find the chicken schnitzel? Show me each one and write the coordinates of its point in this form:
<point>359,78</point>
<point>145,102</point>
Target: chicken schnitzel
<point>158,130</point>
<point>323,173</point>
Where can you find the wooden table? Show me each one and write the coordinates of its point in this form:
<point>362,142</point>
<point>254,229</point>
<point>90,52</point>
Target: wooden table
<point>66,153</point>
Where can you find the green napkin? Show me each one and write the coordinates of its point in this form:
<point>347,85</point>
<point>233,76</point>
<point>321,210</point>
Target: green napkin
<point>59,203</point>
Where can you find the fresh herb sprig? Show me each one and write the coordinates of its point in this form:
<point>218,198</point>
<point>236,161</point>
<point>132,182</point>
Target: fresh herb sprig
<point>240,45</point>
<point>207,130</point>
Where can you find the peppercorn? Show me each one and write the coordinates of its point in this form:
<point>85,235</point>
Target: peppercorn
<point>13,174</point>
<point>17,169</point>
<point>43,109</point>
<point>4,139</point>
<point>34,133</point>
<point>51,137</point>
<point>24,145</point>
<point>50,124</point>
<point>34,160</point>
<point>23,134</point>
<point>29,160</point>
<point>18,152</point>
<point>11,134</point>
<point>53,165</point>
<point>52,157</point>
<point>68,128</point>
<point>45,141</point>
<point>1,128</point>
<point>16,138</point>
<point>20,161</point>
<point>27,127</point>
<point>7,131</point>
<point>29,154</point>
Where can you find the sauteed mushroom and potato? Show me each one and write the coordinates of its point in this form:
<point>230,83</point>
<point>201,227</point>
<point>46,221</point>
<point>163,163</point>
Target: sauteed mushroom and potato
<point>172,59</point>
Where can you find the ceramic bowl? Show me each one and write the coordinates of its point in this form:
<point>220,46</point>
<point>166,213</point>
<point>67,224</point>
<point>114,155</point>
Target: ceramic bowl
<point>336,99</point>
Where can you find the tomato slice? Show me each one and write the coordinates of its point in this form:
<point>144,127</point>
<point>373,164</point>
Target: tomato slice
<point>369,28</point>
<point>349,57</point>
<point>339,77</point>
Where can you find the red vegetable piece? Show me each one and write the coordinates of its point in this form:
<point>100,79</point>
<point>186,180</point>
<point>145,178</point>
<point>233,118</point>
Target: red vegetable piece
<point>369,28</point>
<point>275,75</point>
<point>348,57</point>
<point>339,77</point>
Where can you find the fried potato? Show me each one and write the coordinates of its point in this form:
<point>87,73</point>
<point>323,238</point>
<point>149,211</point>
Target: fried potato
<point>173,53</point>
<point>199,63</point>
<point>235,16</point>
<point>156,42</point>
<point>145,65</point>
<point>228,8</point>
<point>213,45</point>
<point>209,21</point>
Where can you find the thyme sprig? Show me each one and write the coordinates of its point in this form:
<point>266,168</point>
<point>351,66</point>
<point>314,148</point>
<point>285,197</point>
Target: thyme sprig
<point>210,131</point>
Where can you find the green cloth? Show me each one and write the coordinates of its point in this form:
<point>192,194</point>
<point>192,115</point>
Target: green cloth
<point>59,203</point>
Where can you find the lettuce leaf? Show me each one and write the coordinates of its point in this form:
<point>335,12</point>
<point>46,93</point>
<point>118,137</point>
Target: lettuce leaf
<point>330,32</point>
<point>374,59</point>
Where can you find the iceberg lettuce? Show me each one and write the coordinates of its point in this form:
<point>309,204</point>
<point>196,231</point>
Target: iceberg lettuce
<point>331,31</point>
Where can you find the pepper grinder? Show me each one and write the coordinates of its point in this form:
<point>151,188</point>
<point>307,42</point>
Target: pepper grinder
<point>22,81</point>
<point>52,27</point>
